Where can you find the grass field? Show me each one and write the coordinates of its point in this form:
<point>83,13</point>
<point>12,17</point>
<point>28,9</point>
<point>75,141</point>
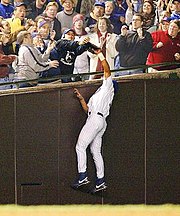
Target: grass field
<point>90,210</point>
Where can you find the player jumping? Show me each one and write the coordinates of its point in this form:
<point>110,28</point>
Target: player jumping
<point>91,134</point>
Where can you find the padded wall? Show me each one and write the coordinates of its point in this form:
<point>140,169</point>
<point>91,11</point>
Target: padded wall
<point>7,150</point>
<point>140,146</point>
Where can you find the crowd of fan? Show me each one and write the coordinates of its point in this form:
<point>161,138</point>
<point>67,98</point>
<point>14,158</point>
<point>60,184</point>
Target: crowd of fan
<point>42,38</point>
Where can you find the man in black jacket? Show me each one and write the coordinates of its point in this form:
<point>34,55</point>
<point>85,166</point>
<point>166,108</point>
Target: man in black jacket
<point>133,46</point>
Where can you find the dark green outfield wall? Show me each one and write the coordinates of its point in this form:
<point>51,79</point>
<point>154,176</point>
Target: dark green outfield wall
<point>141,146</point>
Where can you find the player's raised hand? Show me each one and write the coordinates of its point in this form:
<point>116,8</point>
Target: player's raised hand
<point>78,94</point>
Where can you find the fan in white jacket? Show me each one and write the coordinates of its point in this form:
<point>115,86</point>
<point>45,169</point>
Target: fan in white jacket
<point>106,40</point>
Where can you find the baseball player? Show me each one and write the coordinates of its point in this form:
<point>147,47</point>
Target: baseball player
<point>91,134</point>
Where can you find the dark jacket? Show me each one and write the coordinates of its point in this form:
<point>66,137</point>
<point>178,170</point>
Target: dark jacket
<point>66,52</point>
<point>133,51</point>
<point>57,28</point>
<point>33,11</point>
<point>6,11</point>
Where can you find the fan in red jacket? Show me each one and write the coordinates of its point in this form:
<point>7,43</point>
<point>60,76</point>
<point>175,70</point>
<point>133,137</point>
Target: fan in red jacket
<point>166,46</point>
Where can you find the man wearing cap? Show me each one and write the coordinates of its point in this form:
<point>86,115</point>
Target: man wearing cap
<point>91,134</point>
<point>18,20</point>
<point>92,18</point>
<point>175,8</point>
<point>66,51</point>
<point>6,9</point>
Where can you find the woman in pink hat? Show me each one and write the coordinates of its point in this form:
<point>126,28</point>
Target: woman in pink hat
<point>81,64</point>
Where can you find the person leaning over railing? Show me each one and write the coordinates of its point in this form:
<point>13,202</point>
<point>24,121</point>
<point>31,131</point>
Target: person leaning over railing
<point>166,46</point>
<point>30,60</point>
<point>67,50</point>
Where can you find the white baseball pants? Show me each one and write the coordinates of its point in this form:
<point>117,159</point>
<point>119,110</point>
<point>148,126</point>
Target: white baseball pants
<point>91,134</point>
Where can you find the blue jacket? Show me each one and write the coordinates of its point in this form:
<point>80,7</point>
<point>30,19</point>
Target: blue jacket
<point>66,52</point>
<point>174,16</point>
<point>6,11</point>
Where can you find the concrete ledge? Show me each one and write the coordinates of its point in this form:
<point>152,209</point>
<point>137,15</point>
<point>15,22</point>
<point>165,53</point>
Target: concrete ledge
<point>57,84</point>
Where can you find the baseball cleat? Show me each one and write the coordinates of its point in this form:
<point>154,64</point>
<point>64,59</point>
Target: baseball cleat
<point>98,188</point>
<point>80,183</point>
<point>82,180</point>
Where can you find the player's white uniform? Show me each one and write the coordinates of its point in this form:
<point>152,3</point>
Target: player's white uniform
<point>91,134</point>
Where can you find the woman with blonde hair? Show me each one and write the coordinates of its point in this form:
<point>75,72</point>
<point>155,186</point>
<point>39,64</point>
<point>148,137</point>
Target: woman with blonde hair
<point>50,14</point>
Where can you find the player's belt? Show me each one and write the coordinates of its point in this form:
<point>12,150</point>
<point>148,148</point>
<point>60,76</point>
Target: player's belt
<point>98,113</point>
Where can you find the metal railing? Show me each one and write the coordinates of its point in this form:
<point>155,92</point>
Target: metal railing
<point>81,75</point>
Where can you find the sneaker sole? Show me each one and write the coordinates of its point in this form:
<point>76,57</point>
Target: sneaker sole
<point>78,186</point>
<point>99,189</point>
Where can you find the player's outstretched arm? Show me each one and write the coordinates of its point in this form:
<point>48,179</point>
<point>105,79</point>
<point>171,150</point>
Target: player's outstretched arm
<point>107,71</point>
<point>81,99</point>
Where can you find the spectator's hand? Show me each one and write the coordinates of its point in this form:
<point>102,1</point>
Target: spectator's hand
<point>159,45</point>
<point>77,93</point>
<point>5,38</point>
<point>51,46</point>
<point>102,41</point>
<point>54,64</point>
<point>52,34</point>
<point>140,33</point>
<point>177,56</point>
<point>130,5</point>
<point>124,30</point>
<point>29,23</point>
<point>32,29</point>
<point>1,29</point>
<point>13,57</point>
<point>84,41</point>
<point>97,51</point>
<point>122,19</point>
<point>87,29</point>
